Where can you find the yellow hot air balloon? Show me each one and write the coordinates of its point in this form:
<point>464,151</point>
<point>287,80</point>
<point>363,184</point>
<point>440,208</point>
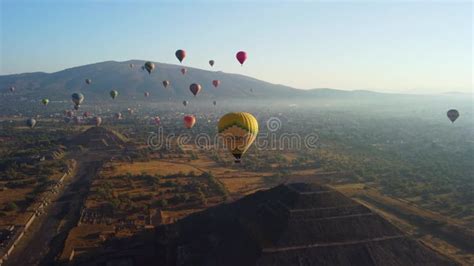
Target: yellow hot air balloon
<point>238,131</point>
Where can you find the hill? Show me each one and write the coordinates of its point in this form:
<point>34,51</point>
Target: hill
<point>296,224</point>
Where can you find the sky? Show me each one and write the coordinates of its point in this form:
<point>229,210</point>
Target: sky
<point>387,46</point>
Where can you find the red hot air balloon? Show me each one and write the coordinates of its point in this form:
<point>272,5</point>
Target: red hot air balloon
<point>183,71</point>
<point>195,88</point>
<point>241,57</point>
<point>180,54</point>
<point>216,83</point>
<point>189,121</point>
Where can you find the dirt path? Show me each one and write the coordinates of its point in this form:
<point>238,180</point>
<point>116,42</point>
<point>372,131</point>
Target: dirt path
<point>45,239</point>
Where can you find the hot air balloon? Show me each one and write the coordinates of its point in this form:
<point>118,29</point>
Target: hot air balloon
<point>149,66</point>
<point>185,103</point>
<point>238,131</point>
<point>77,120</point>
<point>147,94</point>
<point>118,116</point>
<point>184,71</point>
<point>12,88</point>
<point>211,62</point>
<point>86,114</point>
<point>31,122</point>
<point>195,88</point>
<point>69,113</point>
<point>97,121</point>
<point>216,83</point>
<point>180,54</point>
<point>77,99</point>
<point>113,94</point>
<point>157,120</point>
<point>166,83</point>
<point>214,102</point>
<point>241,57</point>
<point>189,121</point>
<point>45,101</point>
<point>88,81</point>
<point>453,114</point>
<point>131,65</point>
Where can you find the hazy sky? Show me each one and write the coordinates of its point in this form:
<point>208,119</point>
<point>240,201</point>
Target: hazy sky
<point>385,46</point>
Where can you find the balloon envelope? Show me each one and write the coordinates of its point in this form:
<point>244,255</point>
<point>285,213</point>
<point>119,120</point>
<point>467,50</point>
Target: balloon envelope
<point>238,131</point>
<point>216,83</point>
<point>183,71</point>
<point>211,62</point>
<point>31,122</point>
<point>77,98</point>
<point>195,88</point>
<point>166,83</point>
<point>241,57</point>
<point>88,81</point>
<point>113,94</point>
<point>189,121</point>
<point>149,66</point>
<point>45,101</point>
<point>97,121</point>
<point>453,114</point>
<point>180,54</point>
<point>185,103</point>
<point>147,94</point>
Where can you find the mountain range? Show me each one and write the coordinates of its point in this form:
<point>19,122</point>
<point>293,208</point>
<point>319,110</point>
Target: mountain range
<point>134,82</point>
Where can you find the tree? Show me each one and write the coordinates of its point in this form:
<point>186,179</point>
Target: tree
<point>11,206</point>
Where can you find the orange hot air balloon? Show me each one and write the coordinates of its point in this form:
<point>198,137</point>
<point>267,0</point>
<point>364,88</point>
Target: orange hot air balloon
<point>195,88</point>
<point>241,57</point>
<point>189,121</point>
<point>180,54</point>
<point>184,71</point>
<point>216,83</point>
